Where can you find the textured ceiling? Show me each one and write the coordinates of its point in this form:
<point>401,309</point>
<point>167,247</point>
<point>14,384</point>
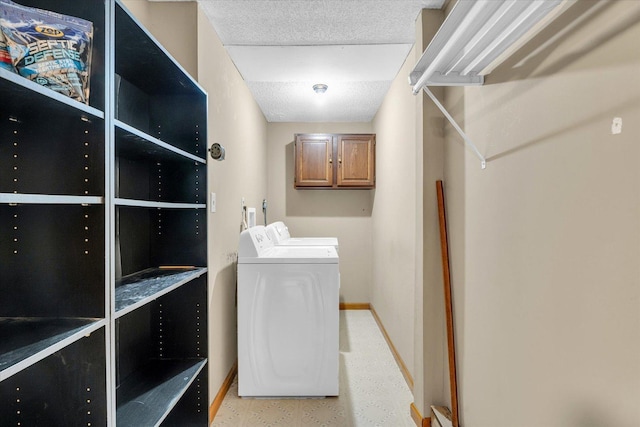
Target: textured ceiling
<point>283,47</point>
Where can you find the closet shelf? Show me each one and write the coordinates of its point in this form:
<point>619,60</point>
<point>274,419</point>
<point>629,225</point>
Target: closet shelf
<point>474,38</point>
<point>27,340</point>
<point>147,396</point>
<point>138,289</point>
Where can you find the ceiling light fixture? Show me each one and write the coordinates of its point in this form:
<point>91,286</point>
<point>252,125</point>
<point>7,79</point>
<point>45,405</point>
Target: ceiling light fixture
<point>320,88</point>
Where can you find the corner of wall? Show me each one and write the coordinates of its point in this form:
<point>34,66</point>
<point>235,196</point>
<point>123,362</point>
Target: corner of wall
<point>431,385</point>
<point>236,122</point>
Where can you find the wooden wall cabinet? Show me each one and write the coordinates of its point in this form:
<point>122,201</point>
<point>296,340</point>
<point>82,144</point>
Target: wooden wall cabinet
<point>335,161</point>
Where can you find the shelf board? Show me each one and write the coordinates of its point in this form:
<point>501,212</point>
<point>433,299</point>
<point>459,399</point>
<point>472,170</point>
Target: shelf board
<point>159,205</point>
<point>138,289</point>
<point>49,199</point>
<point>148,144</point>
<point>27,340</point>
<point>146,397</point>
<point>23,94</point>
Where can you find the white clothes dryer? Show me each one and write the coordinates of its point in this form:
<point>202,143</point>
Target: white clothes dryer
<point>279,233</point>
<point>288,318</point>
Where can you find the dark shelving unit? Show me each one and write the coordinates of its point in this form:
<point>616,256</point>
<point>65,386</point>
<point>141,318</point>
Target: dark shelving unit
<point>53,243</point>
<point>159,234</point>
<point>103,277</point>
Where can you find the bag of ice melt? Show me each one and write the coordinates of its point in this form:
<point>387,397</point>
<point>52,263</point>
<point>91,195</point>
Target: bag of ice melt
<point>51,49</point>
<point>5,58</point>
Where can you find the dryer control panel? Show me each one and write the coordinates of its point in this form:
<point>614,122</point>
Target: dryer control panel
<point>253,242</point>
<point>278,232</point>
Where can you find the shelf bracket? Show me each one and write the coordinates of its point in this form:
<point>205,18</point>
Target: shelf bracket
<point>467,140</point>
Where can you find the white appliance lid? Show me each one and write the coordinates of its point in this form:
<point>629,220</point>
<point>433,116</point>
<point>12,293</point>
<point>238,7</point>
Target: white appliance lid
<point>293,255</point>
<point>308,241</point>
<point>255,246</point>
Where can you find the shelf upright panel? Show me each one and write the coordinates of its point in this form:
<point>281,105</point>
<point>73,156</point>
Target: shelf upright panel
<point>109,98</point>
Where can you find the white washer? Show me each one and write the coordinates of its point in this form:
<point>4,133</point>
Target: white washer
<point>288,318</point>
<point>279,233</point>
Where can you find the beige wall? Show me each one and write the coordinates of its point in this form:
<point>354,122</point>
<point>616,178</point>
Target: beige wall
<point>407,286</point>
<point>345,214</point>
<point>546,240</point>
<point>395,213</point>
<point>236,122</point>
<point>407,274</point>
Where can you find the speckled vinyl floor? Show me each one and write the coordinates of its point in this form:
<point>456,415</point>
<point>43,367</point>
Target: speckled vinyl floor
<point>373,391</point>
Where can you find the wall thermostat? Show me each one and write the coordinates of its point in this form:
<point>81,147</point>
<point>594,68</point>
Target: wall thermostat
<point>217,151</point>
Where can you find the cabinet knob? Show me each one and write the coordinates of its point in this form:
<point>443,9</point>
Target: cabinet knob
<point>330,160</point>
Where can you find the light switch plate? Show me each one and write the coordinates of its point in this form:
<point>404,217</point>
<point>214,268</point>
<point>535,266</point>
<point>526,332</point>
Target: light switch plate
<point>616,126</point>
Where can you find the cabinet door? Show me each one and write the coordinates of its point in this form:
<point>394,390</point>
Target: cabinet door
<point>356,161</point>
<point>314,161</point>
